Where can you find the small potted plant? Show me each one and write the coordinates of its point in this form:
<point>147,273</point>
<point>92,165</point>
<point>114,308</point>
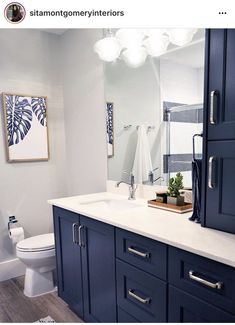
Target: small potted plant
<point>174,187</point>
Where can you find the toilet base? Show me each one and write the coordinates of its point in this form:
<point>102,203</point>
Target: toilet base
<point>38,283</point>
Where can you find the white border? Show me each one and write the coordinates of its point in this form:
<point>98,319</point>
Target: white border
<point>142,14</point>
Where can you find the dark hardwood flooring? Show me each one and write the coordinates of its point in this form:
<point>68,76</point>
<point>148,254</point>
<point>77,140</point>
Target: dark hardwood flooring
<point>15,307</point>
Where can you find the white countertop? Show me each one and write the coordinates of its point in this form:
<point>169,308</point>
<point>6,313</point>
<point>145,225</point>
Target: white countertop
<point>167,227</point>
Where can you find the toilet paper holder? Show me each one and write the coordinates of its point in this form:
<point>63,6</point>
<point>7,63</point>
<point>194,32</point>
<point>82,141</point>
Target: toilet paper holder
<point>12,219</point>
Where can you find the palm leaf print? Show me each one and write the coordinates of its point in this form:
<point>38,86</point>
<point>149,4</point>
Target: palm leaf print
<point>39,109</point>
<point>19,117</point>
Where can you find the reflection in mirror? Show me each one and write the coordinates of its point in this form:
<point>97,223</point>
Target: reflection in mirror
<point>157,108</point>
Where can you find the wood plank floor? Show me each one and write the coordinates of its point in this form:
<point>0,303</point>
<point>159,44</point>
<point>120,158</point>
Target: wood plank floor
<point>15,307</point>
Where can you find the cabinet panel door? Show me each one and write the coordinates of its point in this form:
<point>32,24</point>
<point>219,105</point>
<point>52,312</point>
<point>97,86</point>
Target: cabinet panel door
<point>68,257</point>
<point>221,105</point>
<point>98,265</point>
<point>184,308</point>
<point>220,211</point>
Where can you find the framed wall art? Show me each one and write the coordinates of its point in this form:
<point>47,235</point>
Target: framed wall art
<point>26,127</point>
<point>109,129</point>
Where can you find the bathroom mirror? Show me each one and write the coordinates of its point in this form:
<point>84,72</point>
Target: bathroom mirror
<point>164,96</point>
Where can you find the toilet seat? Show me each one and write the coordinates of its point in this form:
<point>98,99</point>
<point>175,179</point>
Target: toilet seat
<point>38,243</point>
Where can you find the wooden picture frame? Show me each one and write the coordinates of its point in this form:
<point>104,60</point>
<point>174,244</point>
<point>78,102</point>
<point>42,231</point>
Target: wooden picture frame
<point>109,129</point>
<point>26,127</point>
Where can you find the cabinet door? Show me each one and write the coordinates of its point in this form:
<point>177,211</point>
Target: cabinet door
<point>221,99</point>
<point>184,308</point>
<point>68,257</point>
<point>220,211</point>
<point>98,265</point>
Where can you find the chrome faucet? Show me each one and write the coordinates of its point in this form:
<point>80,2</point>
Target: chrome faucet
<point>132,187</point>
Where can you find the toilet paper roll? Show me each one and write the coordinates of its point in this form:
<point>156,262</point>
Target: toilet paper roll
<point>16,234</point>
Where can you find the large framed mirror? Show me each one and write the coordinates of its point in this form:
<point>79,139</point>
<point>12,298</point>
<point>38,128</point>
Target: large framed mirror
<point>163,96</point>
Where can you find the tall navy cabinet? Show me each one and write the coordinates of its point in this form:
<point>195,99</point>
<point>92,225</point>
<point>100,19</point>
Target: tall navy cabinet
<point>219,131</point>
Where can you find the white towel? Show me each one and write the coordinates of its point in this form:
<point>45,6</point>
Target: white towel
<point>142,163</point>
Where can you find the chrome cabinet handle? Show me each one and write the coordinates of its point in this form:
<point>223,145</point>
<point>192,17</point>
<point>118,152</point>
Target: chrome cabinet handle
<point>218,285</point>
<point>135,296</point>
<point>210,172</point>
<point>80,243</point>
<point>213,96</point>
<point>134,251</point>
<point>73,231</point>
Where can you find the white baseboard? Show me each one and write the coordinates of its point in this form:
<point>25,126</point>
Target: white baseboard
<point>11,269</point>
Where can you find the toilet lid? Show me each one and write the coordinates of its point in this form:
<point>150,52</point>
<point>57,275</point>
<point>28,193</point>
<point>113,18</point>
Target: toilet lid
<point>37,243</point>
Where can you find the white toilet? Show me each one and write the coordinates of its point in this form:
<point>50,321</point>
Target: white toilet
<point>38,254</point>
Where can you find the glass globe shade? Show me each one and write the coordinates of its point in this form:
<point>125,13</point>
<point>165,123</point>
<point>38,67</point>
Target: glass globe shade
<point>130,37</point>
<point>134,57</point>
<point>108,49</point>
<point>181,36</point>
<point>156,46</point>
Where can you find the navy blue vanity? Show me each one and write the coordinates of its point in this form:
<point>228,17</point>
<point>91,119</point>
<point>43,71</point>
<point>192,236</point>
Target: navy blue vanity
<point>107,274</point>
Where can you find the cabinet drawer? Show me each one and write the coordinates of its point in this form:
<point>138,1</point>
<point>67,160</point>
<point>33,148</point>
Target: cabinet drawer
<point>124,317</point>
<point>140,294</point>
<point>184,308</point>
<point>202,277</point>
<point>145,253</point>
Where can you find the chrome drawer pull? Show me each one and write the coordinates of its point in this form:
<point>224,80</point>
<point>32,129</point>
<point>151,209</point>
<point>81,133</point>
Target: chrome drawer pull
<point>217,285</point>
<point>210,172</point>
<point>73,231</point>
<point>142,300</point>
<point>213,95</point>
<point>80,243</point>
<point>134,251</point>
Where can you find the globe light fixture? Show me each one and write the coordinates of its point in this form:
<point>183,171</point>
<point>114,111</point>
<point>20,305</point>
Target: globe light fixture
<point>181,36</point>
<point>134,45</point>
<point>156,46</point>
<point>134,57</point>
<point>130,37</point>
<point>108,48</point>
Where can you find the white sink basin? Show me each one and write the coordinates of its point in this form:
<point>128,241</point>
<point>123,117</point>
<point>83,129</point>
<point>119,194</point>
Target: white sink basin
<point>112,204</point>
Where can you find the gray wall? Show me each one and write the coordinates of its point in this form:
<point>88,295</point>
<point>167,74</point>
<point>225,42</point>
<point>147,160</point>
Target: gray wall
<point>29,65</point>
<point>84,107</point>
<point>66,69</point>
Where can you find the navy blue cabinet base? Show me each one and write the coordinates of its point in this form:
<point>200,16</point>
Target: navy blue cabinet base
<point>85,253</point>
<point>106,274</point>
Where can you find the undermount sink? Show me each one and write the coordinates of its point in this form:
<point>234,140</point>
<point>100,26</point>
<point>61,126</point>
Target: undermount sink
<point>112,204</point>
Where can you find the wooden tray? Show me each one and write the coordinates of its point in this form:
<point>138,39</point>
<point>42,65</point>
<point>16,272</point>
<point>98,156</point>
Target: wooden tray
<point>174,208</point>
